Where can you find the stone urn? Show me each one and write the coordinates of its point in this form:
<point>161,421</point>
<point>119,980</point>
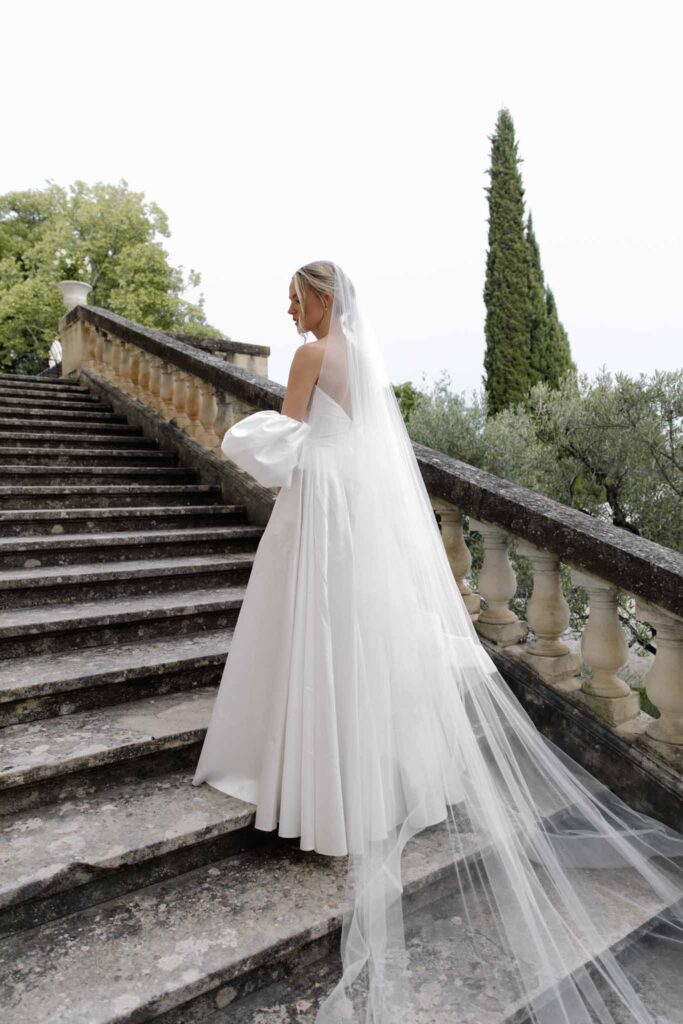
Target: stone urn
<point>74,293</point>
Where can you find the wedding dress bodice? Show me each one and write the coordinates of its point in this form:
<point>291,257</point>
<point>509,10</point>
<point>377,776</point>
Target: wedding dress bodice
<point>269,444</point>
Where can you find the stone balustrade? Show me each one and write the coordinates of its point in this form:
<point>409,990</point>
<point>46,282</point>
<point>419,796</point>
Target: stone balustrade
<point>603,560</point>
<point>203,394</point>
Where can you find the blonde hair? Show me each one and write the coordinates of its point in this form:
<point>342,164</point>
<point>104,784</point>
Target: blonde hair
<point>318,277</point>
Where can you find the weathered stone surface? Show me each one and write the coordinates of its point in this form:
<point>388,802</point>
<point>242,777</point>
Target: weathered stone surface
<point>78,456</point>
<point>32,476</point>
<point>82,548</point>
<point>60,846</point>
<point>24,380</point>
<point>74,395</point>
<point>94,624</point>
<point>176,942</point>
<point>29,439</point>
<point>66,417</point>
<point>80,669</point>
<point>173,941</point>
<point>28,400</point>
<point>38,750</point>
<point>42,586</point>
<point>49,427</point>
<point>453,980</point>
<point>226,345</point>
<point>46,524</point>
<point>98,495</point>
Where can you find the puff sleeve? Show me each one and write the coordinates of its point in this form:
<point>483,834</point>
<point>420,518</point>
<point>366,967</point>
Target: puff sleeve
<point>267,444</point>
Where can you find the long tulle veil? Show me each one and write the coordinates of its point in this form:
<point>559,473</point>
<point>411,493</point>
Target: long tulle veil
<point>544,864</point>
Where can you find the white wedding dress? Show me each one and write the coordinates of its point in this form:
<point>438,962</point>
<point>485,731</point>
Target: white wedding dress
<point>284,730</point>
<point>279,721</point>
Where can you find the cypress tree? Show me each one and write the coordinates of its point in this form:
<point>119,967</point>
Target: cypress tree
<point>539,355</point>
<point>550,348</point>
<point>506,291</point>
<point>560,355</point>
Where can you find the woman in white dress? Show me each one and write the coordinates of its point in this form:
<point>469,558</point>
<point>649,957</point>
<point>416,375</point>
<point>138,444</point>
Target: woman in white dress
<point>358,708</point>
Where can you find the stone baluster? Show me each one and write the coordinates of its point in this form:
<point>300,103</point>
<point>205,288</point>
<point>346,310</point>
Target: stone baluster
<point>548,617</point>
<point>107,357</point>
<point>155,367</point>
<point>604,651</point>
<point>664,681</point>
<point>497,585</point>
<point>222,421</point>
<point>180,417</point>
<point>459,555</point>
<point>134,371</point>
<point>208,412</point>
<point>166,392</point>
<point>124,369</point>
<point>90,346</point>
<point>143,377</point>
<point>116,354</point>
<point>98,352</point>
<point>193,428</point>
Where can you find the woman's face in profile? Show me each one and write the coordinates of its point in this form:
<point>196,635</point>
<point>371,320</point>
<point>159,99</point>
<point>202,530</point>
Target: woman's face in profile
<point>315,310</point>
<point>294,307</point>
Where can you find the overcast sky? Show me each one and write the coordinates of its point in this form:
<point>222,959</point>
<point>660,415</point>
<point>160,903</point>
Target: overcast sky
<point>276,133</point>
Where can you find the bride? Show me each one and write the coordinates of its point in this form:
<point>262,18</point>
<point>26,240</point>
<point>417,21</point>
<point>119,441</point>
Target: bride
<point>359,711</point>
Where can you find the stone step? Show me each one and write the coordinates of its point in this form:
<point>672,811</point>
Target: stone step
<point>69,417</point>
<point>94,548</point>
<point>106,495</point>
<point>58,859</point>
<point>17,423</point>
<point>80,411</point>
<point>184,948</point>
<point>188,943</point>
<point>51,760</point>
<point>453,985</point>
<point>62,585</point>
<point>34,476</point>
<point>29,631</point>
<point>24,524</point>
<point>85,456</point>
<point>48,685</point>
<point>31,380</point>
<point>10,441</point>
<point>10,397</point>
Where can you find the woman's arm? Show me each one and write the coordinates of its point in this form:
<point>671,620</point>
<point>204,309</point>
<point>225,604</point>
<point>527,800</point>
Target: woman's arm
<point>303,373</point>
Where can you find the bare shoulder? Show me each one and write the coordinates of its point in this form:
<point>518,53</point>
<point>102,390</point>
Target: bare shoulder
<point>308,359</point>
<point>303,375</point>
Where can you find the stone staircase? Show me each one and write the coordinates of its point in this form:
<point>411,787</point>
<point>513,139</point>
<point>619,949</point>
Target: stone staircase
<point>127,894</point>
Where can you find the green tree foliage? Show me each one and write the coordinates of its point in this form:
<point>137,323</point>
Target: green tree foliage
<point>525,341</point>
<point>507,358</point>
<point>103,234</point>
<point>407,396</point>
<point>612,447</point>
<point>538,320</point>
<point>626,437</point>
<point>550,351</point>
<point>560,358</point>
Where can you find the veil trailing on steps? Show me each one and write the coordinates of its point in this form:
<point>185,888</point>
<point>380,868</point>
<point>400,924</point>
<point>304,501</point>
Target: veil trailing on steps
<point>545,878</point>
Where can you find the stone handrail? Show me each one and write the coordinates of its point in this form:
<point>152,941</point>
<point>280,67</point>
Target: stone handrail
<point>204,395</point>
